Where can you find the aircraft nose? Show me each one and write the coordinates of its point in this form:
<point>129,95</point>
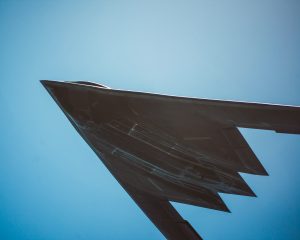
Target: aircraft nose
<point>53,87</point>
<point>75,100</point>
<point>60,92</point>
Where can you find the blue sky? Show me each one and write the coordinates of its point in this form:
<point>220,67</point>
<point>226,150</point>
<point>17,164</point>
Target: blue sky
<point>52,186</point>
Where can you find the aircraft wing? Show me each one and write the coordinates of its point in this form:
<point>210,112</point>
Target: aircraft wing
<point>165,148</point>
<point>163,215</point>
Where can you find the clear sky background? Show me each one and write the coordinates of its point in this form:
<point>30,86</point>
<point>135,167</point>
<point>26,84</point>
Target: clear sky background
<point>52,186</point>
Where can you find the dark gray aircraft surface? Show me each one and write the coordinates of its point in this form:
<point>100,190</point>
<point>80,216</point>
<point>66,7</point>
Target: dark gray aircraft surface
<point>165,148</point>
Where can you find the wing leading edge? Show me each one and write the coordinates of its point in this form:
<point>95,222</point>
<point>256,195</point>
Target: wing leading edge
<point>191,148</point>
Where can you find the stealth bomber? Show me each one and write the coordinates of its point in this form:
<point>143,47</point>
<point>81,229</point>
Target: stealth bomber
<point>166,148</point>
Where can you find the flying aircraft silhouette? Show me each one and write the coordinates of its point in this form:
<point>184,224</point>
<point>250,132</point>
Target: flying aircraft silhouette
<point>167,148</point>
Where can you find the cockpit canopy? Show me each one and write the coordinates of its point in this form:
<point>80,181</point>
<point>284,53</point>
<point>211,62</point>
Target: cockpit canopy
<point>88,83</point>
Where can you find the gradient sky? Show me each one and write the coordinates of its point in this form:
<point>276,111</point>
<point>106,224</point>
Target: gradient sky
<point>52,186</point>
